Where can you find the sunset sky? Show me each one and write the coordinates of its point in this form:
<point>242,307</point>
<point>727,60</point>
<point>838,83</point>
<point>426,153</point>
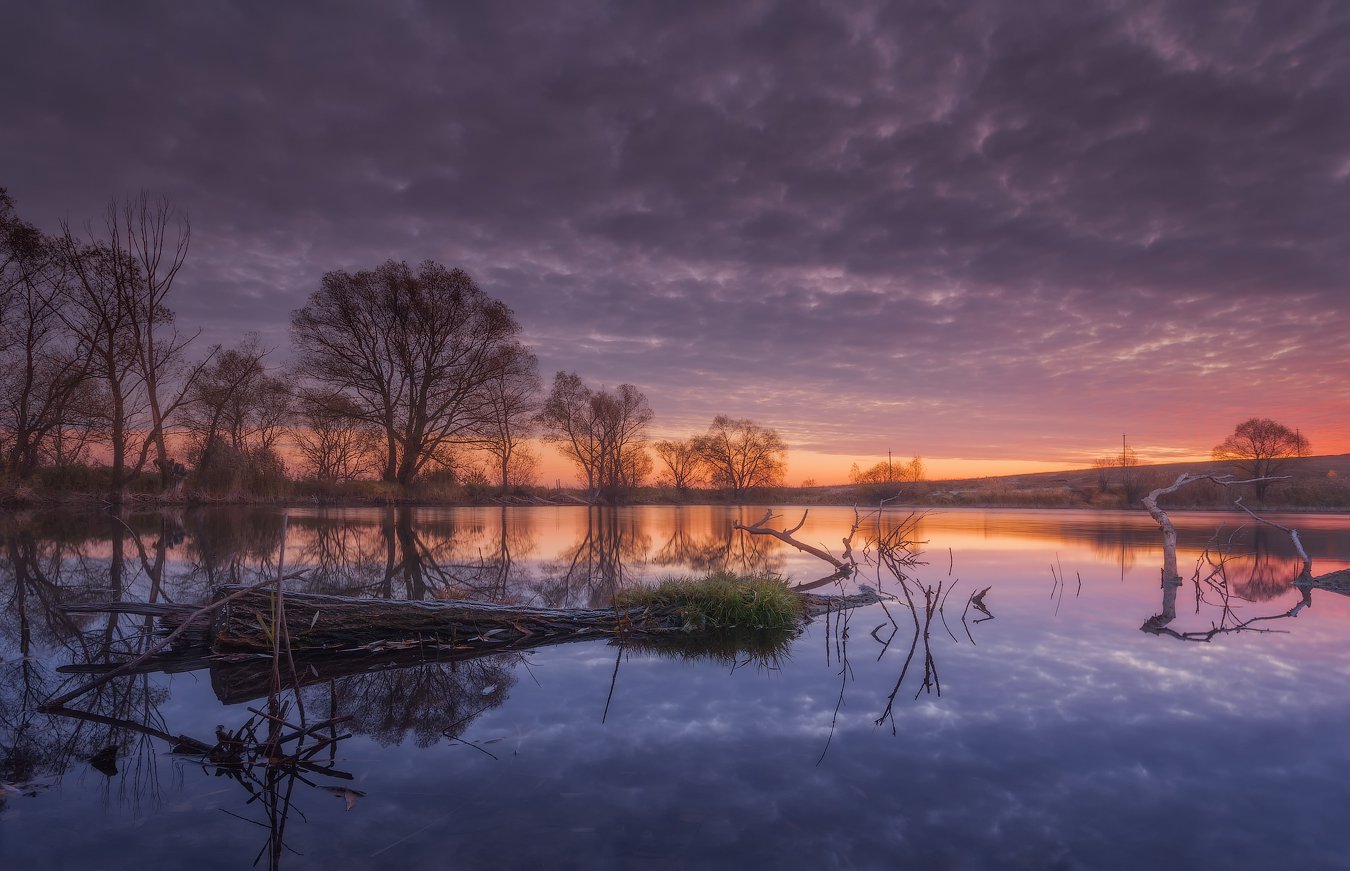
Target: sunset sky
<point>997,235</point>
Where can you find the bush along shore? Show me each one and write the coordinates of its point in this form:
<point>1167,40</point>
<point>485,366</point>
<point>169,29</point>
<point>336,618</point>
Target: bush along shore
<point>1312,484</point>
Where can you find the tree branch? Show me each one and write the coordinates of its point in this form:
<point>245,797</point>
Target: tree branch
<point>758,528</point>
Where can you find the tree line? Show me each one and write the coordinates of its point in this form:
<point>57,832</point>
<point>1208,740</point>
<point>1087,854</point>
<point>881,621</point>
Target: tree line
<point>401,374</point>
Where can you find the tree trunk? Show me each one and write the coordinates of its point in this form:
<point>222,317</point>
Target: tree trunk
<point>119,448</point>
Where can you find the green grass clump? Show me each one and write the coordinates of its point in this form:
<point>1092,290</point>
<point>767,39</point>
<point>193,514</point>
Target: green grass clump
<point>721,600</point>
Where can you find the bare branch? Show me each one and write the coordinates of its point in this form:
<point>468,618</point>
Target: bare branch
<point>1293,534</point>
<point>758,528</point>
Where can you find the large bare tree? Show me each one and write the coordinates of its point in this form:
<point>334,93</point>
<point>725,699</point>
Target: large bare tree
<point>96,309</point>
<point>741,454</point>
<point>412,352</point>
<point>154,236</point>
<point>117,303</point>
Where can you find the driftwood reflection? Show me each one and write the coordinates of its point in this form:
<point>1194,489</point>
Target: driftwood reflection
<point>890,555</point>
<point>268,756</point>
<point>1240,568</point>
<point>1216,592</point>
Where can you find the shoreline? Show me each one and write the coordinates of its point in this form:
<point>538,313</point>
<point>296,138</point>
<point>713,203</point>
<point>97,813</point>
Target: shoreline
<point>81,503</point>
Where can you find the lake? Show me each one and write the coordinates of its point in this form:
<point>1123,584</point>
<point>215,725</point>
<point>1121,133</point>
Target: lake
<point>1035,726</point>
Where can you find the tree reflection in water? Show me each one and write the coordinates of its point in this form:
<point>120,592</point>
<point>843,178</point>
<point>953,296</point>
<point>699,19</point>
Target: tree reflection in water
<point>591,571</point>
<point>718,547</point>
<point>1240,568</point>
<point>47,561</point>
<point>118,728</point>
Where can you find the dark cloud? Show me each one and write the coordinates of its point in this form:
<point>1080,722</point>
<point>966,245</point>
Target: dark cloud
<point>994,230</point>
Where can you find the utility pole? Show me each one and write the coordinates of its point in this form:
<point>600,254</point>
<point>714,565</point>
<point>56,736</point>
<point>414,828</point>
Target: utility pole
<point>889,477</point>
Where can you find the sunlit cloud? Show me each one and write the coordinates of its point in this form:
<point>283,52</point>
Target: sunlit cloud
<point>1000,234</point>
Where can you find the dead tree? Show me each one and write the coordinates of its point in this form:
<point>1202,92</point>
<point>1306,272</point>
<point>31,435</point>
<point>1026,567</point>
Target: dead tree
<point>1338,581</point>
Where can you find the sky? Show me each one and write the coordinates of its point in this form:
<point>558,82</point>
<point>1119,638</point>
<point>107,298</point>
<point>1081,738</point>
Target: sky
<point>995,235</point>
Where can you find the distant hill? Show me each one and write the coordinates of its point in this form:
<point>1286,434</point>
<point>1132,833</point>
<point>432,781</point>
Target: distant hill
<point>1333,465</point>
<point>1317,483</point>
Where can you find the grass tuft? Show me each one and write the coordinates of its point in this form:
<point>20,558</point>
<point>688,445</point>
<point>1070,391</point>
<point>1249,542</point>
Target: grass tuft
<point>721,600</point>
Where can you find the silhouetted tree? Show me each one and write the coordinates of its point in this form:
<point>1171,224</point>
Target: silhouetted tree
<point>412,352</point>
<point>153,236</point>
<point>97,309</point>
<point>116,302</point>
<point>1260,448</point>
<point>741,454</point>
<point>683,464</point>
<point>236,414</point>
<point>512,401</point>
<point>887,472</point>
<point>43,366</point>
<point>604,433</point>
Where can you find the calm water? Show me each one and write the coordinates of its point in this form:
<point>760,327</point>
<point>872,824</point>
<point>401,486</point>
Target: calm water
<point>1056,734</point>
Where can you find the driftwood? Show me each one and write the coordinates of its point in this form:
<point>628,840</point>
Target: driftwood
<point>265,621</point>
<point>243,621</point>
<point>321,622</point>
<point>842,569</point>
<point>337,636</point>
<point>1335,582</point>
<point>1170,573</point>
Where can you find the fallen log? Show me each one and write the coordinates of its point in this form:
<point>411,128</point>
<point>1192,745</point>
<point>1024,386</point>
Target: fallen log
<point>238,677</point>
<point>313,621</point>
<point>249,623</point>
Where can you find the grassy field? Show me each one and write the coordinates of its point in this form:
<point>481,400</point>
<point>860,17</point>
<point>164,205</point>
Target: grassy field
<point>1316,483</point>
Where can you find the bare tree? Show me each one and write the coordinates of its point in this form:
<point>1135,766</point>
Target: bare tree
<point>683,464</point>
<point>741,454</point>
<point>624,416</point>
<point>604,433</point>
<point>43,365</point>
<point>887,472</point>
<point>97,311</point>
<point>117,304</point>
<point>412,352</point>
<point>154,236</point>
<point>1125,465</point>
<point>512,402</point>
<point>568,422</point>
<point>1260,448</point>
<point>235,415</point>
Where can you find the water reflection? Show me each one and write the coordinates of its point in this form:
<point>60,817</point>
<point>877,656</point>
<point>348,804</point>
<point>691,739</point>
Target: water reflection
<point>1228,578</point>
<point>884,666</point>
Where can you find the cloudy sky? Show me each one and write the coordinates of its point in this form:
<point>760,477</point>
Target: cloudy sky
<point>999,232</point>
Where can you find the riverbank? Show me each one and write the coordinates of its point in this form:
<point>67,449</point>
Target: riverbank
<point>1314,484</point>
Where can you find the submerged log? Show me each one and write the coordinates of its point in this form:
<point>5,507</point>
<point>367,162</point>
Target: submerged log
<point>313,621</point>
<point>241,626</point>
